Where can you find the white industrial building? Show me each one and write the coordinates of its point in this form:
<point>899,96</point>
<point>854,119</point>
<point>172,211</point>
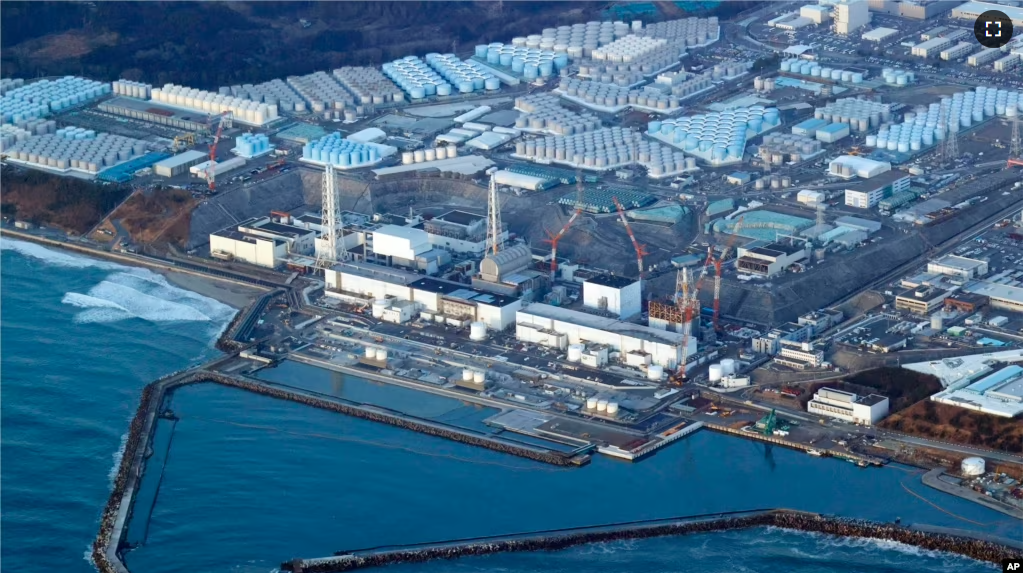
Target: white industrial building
<point>260,241</point>
<point>798,355</point>
<point>768,260</point>
<point>956,266</point>
<point>815,13</point>
<point>866,410</point>
<point>1010,62</point>
<point>931,47</point>
<point>984,56</point>
<point>179,163</point>
<point>459,232</point>
<point>1000,296</point>
<point>202,170</point>
<point>957,51</point>
<point>519,180</point>
<point>849,166</point>
<point>407,247</point>
<point>879,34</point>
<point>615,294</point>
<point>972,10</point>
<point>850,15</point>
<point>988,383</point>
<point>508,272</point>
<point>811,198</point>
<point>869,192</point>
<point>441,301</point>
<point>559,327</point>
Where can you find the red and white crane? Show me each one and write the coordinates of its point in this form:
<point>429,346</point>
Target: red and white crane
<point>211,170</point>
<point>553,239</point>
<point>640,249</point>
<point>688,304</point>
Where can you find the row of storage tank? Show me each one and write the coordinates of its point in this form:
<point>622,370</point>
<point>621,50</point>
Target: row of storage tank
<point>432,154</point>
<point>628,49</point>
<point>861,115</point>
<point>575,41</point>
<point>138,90</point>
<point>694,31</point>
<point>815,70</point>
<point>340,152</point>
<point>897,77</point>
<point>763,84</point>
<point>601,406</point>
<point>368,85</point>
<point>251,144</point>
<point>632,73</point>
<point>8,84</point>
<point>528,62</point>
<point>607,95</point>
<point>77,148</point>
<point>726,367</point>
<point>465,75</point>
<point>419,80</point>
<point>776,148</point>
<point>11,134</point>
<point>243,110</point>
<point>39,99</point>
<point>773,182</point>
<point>722,134</point>
<point>607,148</point>
<point>692,86</point>
<point>274,92</point>
<point>321,91</point>
<point>377,354</point>
<point>543,112</point>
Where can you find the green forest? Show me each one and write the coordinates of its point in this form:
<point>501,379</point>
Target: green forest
<point>65,202</point>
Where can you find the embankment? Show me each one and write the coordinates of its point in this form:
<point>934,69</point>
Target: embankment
<point>979,549</point>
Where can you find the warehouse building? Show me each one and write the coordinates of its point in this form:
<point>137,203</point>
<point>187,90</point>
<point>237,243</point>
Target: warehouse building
<point>769,260</point>
<point>407,247</point>
<point>798,355</point>
<point>558,327</point>
<point>866,410</point>
<point>260,241</point>
<point>933,33</point>
<point>820,321</point>
<point>931,47</point>
<point>1000,296</point>
<point>522,181</point>
<point>1010,62</point>
<point>922,301</point>
<point>832,132</point>
<point>615,294</point>
<point>202,170</point>
<point>849,166</point>
<point>984,56</point>
<point>179,164</point>
<point>958,51</point>
<point>770,343</point>
<point>816,14</point>
<point>972,10</point>
<point>153,112</point>
<point>809,127</point>
<point>857,224</point>
<point>956,266</point>
<point>869,192</point>
<point>879,34</point>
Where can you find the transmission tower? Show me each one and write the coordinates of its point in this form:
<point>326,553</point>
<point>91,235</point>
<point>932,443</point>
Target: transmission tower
<point>494,243</point>
<point>820,216</point>
<point>332,248</point>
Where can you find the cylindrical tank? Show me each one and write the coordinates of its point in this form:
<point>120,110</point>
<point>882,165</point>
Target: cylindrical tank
<point>479,377</point>
<point>371,352</point>
<point>728,366</point>
<point>381,354</point>
<point>602,405</point>
<point>378,307</point>
<point>575,352</point>
<point>715,373</point>
<point>937,321</point>
<point>612,408</point>
<point>591,403</point>
<point>655,372</point>
<point>478,331</point>
<point>973,466</point>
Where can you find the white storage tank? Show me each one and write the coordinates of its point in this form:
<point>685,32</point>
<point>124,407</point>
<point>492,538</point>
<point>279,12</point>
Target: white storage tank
<point>479,377</point>
<point>728,366</point>
<point>655,372</point>
<point>973,466</point>
<point>612,408</point>
<point>478,331</point>
<point>602,405</point>
<point>575,352</point>
<point>371,352</point>
<point>466,374</point>
<point>591,403</point>
<point>382,354</point>
<point>715,373</point>
<point>379,306</point>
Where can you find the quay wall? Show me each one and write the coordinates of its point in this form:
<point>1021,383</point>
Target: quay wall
<point>106,548</point>
<point>979,549</point>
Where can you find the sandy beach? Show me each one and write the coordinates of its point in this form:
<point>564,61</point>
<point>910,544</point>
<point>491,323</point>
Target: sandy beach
<point>232,294</point>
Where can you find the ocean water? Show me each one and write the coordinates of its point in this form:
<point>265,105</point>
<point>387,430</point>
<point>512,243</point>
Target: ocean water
<point>243,482</point>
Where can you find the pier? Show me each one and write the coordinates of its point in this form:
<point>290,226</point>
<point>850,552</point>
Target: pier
<point>976,546</point>
<point>870,460</point>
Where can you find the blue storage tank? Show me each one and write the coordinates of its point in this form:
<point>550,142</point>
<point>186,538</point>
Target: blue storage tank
<point>506,59</point>
<point>444,89</point>
<point>481,50</point>
<point>334,156</point>
<point>654,127</point>
<point>431,89</point>
<point>546,69</point>
<point>465,87</point>
<point>374,155</point>
<point>417,93</point>
<point>517,64</point>
<point>530,71</point>
<point>493,56</point>
<point>478,83</point>
<point>492,84</point>
<point>344,160</point>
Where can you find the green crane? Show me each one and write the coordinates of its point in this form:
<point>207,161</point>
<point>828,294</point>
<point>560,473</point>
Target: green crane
<point>767,424</point>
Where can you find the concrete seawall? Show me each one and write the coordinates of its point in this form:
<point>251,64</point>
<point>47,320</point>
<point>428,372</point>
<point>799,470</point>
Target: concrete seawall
<point>979,549</point>
<point>109,543</point>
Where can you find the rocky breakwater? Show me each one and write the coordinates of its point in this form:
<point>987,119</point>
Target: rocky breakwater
<point>976,549</point>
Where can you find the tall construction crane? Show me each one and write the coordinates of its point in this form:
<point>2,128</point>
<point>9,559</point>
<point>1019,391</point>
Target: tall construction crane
<point>640,249</point>
<point>688,303</point>
<point>211,171</point>
<point>717,271</point>
<point>552,239</point>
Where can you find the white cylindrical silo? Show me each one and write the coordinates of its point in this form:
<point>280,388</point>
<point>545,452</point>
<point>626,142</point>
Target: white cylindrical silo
<point>715,373</point>
<point>381,355</point>
<point>478,331</point>
<point>379,306</point>
<point>467,374</point>
<point>655,372</point>
<point>973,466</point>
<point>591,403</point>
<point>612,408</point>
<point>371,352</point>
<point>479,377</point>
<point>602,405</point>
<point>575,352</point>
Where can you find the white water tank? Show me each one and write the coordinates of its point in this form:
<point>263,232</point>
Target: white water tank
<point>379,306</point>
<point>728,366</point>
<point>973,466</point>
<point>715,373</point>
<point>371,352</point>
<point>602,405</point>
<point>478,377</point>
<point>655,372</point>
<point>575,352</point>
<point>591,403</point>
<point>438,318</point>
<point>382,354</point>
<point>478,331</point>
<point>612,408</point>
<point>466,374</point>
<point>937,321</point>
